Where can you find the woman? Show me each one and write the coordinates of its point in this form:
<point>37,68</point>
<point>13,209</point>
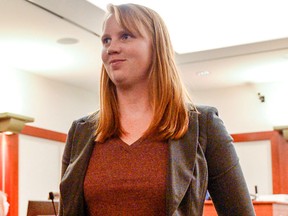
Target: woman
<point>147,152</point>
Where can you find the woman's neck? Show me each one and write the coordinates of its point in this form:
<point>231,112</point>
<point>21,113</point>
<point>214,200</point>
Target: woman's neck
<point>135,113</point>
<point>133,102</point>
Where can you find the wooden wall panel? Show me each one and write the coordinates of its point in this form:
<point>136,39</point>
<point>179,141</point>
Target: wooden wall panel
<point>1,164</point>
<point>282,151</point>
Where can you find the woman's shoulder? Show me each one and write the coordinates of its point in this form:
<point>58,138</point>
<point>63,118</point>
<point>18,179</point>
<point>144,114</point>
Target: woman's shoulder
<point>206,109</point>
<point>89,118</point>
<point>201,109</point>
<point>206,115</point>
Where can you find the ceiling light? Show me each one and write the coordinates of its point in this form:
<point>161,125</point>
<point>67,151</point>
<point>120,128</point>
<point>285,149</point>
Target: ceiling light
<point>67,41</point>
<point>203,73</point>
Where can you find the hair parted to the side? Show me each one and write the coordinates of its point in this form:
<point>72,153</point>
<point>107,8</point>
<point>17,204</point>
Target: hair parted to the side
<point>168,95</point>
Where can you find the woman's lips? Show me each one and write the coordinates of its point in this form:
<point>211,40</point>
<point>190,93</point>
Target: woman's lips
<point>116,61</point>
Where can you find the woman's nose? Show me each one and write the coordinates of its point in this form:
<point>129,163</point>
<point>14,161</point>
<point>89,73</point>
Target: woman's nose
<point>113,48</point>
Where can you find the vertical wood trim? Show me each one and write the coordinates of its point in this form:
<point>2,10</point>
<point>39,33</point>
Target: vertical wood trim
<point>275,164</point>
<point>12,172</point>
<point>1,154</point>
<point>283,164</point>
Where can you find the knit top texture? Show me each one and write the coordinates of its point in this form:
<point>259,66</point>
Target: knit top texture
<point>128,180</point>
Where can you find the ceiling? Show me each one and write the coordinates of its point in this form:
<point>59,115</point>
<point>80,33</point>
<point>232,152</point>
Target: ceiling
<point>39,37</point>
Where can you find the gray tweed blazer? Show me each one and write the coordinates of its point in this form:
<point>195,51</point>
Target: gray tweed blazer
<point>203,159</point>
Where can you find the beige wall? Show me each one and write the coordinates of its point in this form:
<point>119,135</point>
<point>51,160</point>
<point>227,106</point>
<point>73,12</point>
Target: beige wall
<point>242,111</point>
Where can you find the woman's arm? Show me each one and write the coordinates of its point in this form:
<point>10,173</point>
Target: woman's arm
<point>226,183</point>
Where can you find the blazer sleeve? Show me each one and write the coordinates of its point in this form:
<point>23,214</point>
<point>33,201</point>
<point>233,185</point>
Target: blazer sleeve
<point>226,183</point>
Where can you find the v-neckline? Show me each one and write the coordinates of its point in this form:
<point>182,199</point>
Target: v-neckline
<point>130,146</point>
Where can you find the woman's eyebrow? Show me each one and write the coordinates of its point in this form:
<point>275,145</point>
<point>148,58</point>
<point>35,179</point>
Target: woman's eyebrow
<point>104,36</point>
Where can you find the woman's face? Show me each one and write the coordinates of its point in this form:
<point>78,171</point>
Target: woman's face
<point>126,56</point>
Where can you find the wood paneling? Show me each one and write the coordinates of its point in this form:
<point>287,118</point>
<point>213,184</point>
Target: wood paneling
<point>9,146</point>
<point>261,208</point>
<point>280,172</point>
<point>1,164</point>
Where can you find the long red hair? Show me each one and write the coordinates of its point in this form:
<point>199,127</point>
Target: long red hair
<point>168,95</point>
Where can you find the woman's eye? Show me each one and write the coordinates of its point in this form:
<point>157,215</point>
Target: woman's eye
<point>126,36</point>
<point>106,40</point>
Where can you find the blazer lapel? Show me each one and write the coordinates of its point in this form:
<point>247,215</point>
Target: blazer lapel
<point>74,176</point>
<point>181,164</point>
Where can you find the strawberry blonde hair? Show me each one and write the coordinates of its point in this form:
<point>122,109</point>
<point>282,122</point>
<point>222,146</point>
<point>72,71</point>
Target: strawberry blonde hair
<point>167,94</point>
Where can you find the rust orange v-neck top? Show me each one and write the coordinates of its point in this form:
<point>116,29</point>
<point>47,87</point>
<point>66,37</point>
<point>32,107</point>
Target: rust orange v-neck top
<point>126,179</point>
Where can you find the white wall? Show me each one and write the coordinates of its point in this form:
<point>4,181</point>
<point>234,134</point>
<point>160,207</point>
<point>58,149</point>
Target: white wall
<point>256,162</point>
<point>53,104</point>
<point>39,169</point>
<point>242,111</point>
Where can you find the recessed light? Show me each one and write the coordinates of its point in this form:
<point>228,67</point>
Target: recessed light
<point>67,41</point>
<point>203,73</point>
